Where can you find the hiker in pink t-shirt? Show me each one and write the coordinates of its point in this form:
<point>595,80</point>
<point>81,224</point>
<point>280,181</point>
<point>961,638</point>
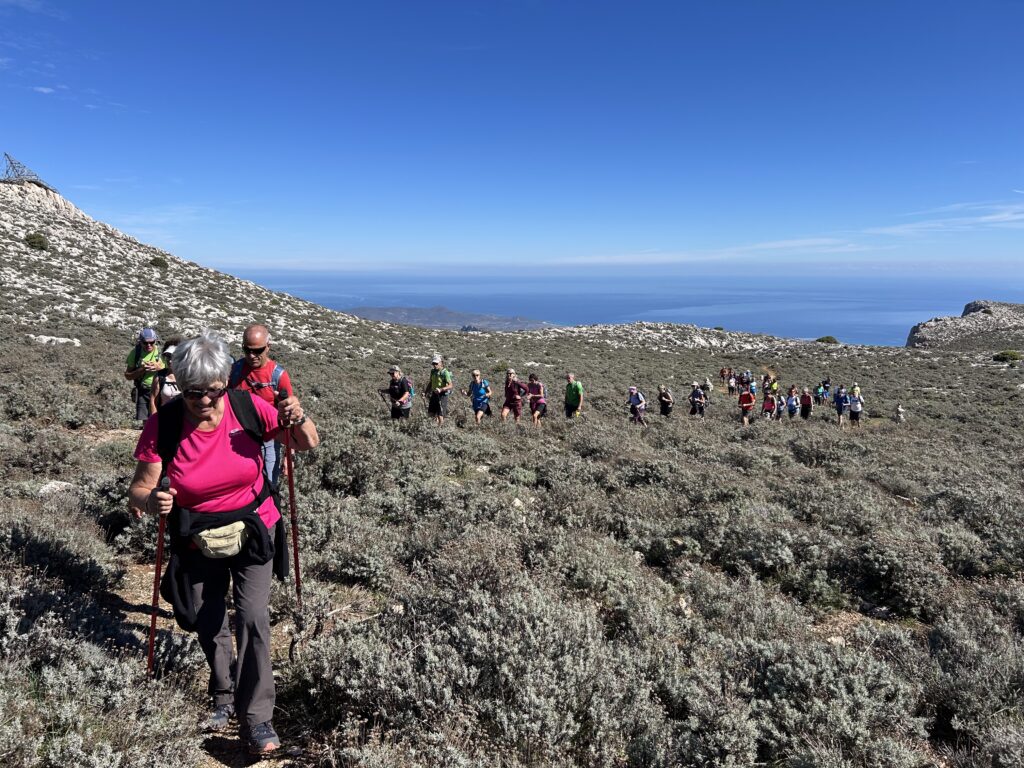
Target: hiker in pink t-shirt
<point>217,478</point>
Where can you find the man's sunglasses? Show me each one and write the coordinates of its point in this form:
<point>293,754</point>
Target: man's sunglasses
<point>199,394</point>
<point>255,351</point>
<point>149,343</point>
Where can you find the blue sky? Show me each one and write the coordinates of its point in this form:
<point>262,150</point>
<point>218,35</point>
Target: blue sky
<point>579,135</point>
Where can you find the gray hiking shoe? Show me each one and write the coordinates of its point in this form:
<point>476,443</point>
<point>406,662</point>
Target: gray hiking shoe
<point>219,717</point>
<point>261,738</point>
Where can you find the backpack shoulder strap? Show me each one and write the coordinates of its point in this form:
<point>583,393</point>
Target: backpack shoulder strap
<point>235,377</point>
<point>170,420</point>
<point>245,412</point>
<point>275,376</point>
<point>138,355</point>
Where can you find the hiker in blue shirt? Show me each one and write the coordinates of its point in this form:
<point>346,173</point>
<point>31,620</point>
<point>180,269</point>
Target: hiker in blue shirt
<point>479,393</point>
<point>842,404</point>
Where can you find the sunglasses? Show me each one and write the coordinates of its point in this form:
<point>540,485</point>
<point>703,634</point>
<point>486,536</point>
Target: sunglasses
<point>255,351</point>
<point>149,343</point>
<point>199,394</point>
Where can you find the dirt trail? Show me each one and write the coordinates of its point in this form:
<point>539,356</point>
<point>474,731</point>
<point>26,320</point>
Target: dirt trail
<point>223,750</point>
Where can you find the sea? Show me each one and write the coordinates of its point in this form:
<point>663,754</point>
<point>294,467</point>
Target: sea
<point>876,310</point>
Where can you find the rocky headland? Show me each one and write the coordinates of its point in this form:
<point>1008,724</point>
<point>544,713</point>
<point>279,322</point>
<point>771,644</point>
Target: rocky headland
<point>984,325</point>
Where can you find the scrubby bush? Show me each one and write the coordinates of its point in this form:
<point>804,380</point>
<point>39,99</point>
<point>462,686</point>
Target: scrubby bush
<point>37,241</point>
<point>1007,356</point>
<point>159,262</point>
<point>827,340</point>
<point>68,702</point>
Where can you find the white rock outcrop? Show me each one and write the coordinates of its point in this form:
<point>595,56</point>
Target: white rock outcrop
<point>990,324</point>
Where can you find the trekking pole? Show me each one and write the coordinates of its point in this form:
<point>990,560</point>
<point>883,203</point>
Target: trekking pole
<point>289,468</point>
<point>165,485</point>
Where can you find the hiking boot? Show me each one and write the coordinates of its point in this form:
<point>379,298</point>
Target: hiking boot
<point>219,717</point>
<point>261,738</point>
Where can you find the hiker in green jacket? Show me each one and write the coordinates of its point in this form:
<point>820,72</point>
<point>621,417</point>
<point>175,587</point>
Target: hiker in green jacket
<point>573,396</point>
<point>440,387</point>
<point>141,367</point>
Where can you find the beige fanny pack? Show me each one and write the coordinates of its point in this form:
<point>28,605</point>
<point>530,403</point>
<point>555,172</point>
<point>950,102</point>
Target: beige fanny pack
<point>225,541</point>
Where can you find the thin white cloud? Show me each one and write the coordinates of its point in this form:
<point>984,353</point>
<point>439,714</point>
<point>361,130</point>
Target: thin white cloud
<point>796,249</point>
<point>162,224</point>
<point>1018,191</point>
<point>5,62</point>
<point>42,89</point>
<point>977,216</point>
<point>804,243</point>
<point>35,6</point>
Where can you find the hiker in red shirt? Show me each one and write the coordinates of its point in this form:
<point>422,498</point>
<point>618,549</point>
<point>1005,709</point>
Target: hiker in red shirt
<point>747,401</point>
<point>806,404</point>
<point>255,372</point>
<point>514,391</point>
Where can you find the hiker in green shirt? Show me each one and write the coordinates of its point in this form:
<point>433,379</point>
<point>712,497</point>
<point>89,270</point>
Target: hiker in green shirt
<point>141,367</point>
<point>573,396</point>
<point>440,387</point>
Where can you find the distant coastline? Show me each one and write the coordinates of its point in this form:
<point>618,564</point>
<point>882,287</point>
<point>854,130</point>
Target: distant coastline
<point>443,318</point>
<point>855,310</point>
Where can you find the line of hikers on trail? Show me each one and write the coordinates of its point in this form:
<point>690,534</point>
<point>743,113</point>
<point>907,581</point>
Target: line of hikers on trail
<point>400,394</point>
<point>775,405</point>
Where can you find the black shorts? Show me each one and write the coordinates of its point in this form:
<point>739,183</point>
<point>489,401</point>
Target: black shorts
<point>805,411</point>
<point>855,415</point>
<point>438,405</point>
<point>666,409</point>
<point>398,412</point>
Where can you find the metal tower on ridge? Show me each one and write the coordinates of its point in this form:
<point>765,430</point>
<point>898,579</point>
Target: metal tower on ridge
<point>19,173</point>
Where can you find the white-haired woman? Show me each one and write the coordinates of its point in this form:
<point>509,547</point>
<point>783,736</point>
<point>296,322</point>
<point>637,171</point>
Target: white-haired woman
<point>215,470</point>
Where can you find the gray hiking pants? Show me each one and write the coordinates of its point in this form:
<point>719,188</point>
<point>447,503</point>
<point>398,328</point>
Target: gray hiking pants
<point>141,403</point>
<point>247,680</point>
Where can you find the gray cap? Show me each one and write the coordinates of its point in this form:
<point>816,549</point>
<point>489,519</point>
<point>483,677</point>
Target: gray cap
<point>435,359</point>
<point>394,369</point>
<point>147,334</point>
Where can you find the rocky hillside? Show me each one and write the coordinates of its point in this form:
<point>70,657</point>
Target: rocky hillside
<point>984,325</point>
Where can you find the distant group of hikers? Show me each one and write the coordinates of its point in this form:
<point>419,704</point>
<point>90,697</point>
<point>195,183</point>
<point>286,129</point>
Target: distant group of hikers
<point>400,394</point>
<point>776,404</point>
